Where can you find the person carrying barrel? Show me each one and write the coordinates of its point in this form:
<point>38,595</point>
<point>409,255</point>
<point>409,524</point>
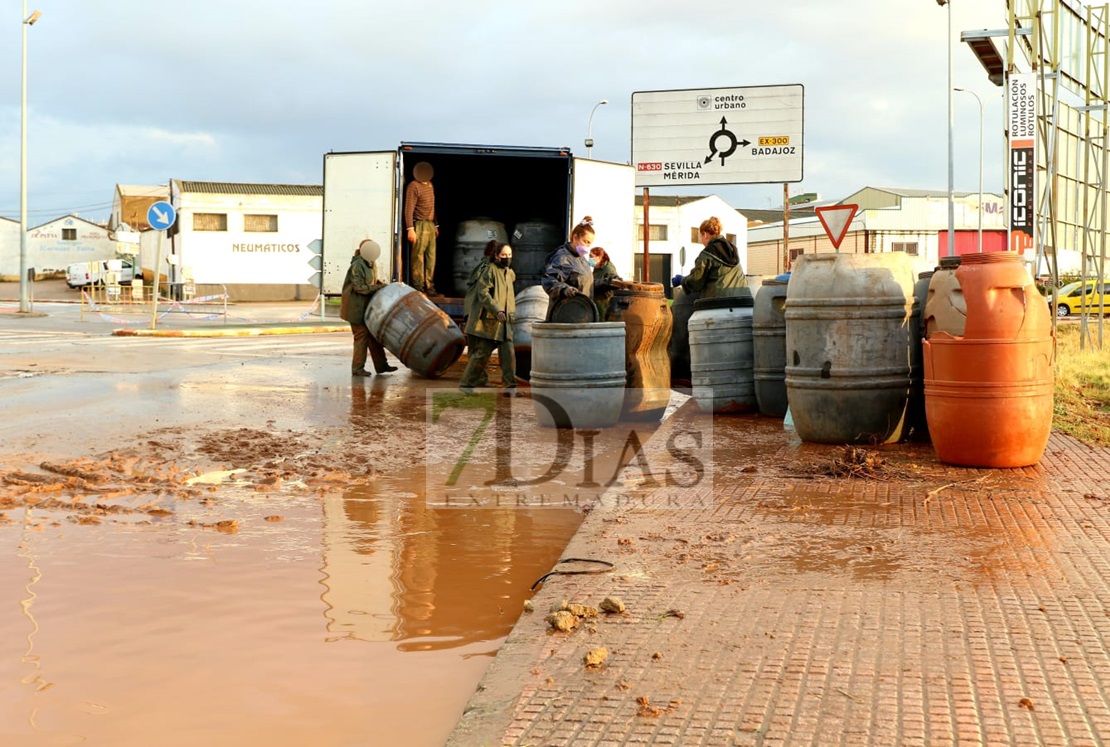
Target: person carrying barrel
<point>360,284</point>
<point>717,271</point>
<point>489,325</point>
<point>568,273</point>
<point>605,278</point>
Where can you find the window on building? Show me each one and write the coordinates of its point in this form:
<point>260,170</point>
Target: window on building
<point>731,238</point>
<point>209,221</point>
<point>655,233</point>
<point>69,234</point>
<point>909,247</point>
<point>260,223</point>
<point>795,253</point>
<point>695,235</point>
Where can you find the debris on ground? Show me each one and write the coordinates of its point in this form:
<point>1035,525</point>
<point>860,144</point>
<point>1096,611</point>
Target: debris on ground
<point>612,605</point>
<point>853,461</point>
<point>595,657</point>
<point>562,621</point>
<point>647,710</point>
<point>528,606</point>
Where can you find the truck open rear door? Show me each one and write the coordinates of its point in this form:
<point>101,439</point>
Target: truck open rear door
<point>360,202</point>
<point>606,191</point>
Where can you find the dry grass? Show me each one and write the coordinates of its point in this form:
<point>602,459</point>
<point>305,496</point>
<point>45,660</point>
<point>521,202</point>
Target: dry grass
<point>1082,399</point>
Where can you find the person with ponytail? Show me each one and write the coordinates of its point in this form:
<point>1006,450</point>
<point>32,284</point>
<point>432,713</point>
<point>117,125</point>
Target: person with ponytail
<point>489,326</point>
<point>717,271</point>
<point>568,271</point>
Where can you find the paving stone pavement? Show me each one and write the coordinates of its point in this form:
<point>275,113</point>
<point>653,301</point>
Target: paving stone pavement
<point>925,605</point>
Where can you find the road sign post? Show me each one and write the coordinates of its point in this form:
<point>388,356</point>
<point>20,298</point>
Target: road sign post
<point>160,215</point>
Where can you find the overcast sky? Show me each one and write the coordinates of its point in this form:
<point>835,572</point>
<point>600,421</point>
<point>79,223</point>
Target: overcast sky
<point>139,92</point>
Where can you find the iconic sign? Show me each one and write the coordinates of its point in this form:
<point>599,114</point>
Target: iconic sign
<point>1021,94</point>
<point>718,136</point>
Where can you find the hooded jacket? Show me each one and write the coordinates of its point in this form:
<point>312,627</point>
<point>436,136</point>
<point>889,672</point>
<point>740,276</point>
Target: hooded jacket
<point>492,292</point>
<point>565,269</point>
<point>359,285</point>
<point>717,271</point>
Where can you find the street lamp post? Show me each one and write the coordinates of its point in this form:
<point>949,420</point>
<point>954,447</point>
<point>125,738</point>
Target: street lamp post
<point>951,123</point>
<point>964,90</point>
<point>24,290</point>
<point>590,129</point>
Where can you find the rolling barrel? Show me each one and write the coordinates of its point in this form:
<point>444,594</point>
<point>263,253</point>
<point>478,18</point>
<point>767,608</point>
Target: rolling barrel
<point>414,329</point>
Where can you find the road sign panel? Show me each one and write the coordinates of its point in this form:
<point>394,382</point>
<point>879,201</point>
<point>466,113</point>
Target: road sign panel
<point>697,137</point>
<point>161,215</point>
<point>836,219</point>
<point>315,279</point>
<point>316,246</point>
<point>316,262</point>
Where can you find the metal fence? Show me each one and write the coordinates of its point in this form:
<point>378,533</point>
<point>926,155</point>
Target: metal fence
<point>192,300</point>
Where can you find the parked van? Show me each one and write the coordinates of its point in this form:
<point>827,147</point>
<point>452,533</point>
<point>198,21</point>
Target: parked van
<point>1082,297</point>
<point>96,272</point>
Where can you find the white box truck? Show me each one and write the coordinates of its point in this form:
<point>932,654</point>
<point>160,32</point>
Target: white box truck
<point>533,195</point>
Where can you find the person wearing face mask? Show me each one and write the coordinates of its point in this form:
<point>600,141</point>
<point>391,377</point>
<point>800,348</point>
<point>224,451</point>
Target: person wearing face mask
<point>568,272</point>
<point>605,277</point>
<point>489,326</point>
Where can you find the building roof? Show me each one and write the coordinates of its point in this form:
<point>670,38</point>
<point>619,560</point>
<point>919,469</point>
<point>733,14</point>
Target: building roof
<point>70,216</point>
<point>755,215</point>
<point>137,190</point>
<point>239,188</point>
<point>670,200</point>
<point>901,192</point>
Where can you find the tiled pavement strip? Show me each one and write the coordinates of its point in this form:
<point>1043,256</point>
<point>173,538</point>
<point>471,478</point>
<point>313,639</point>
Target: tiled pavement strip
<point>928,605</point>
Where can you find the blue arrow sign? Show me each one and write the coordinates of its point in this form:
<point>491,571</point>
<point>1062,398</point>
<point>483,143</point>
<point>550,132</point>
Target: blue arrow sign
<point>161,215</point>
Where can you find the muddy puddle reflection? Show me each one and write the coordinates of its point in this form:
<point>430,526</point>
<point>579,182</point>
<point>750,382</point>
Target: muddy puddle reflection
<point>360,618</point>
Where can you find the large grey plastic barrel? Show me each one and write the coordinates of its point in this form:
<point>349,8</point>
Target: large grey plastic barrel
<point>578,374</point>
<point>917,426</point>
<point>848,346</point>
<point>531,307</point>
<point>532,241</point>
<point>721,355</point>
<point>769,344</point>
<point>679,347</point>
<point>471,238</point>
<point>414,329</point>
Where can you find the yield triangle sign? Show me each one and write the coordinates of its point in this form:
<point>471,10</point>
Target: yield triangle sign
<point>836,219</point>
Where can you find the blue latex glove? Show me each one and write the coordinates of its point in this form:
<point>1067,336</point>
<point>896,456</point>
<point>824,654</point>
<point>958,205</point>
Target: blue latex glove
<point>676,281</point>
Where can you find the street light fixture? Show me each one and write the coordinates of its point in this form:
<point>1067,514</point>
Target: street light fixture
<point>590,129</point>
<point>964,90</point>
<point>24,290</point>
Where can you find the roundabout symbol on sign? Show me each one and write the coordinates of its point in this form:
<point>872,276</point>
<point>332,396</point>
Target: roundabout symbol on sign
<point>728,135</point>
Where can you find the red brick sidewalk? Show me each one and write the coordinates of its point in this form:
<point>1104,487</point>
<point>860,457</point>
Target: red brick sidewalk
<point>927,605</point>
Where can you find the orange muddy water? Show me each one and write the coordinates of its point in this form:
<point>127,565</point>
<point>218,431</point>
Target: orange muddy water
<point>361,618</point>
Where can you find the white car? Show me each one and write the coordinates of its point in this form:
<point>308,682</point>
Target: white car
<point>95,272</point>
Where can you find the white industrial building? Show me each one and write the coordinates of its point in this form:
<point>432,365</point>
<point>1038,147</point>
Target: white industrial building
<point>53,245</point>
<point>913,221</point>
<point>673,239</point>
<point>252,239</point>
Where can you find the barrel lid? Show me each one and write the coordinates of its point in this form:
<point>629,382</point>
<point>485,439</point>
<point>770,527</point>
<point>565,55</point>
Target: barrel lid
<point>950,263</point>
<point>776,281</point>
<point>923,275</point>
<point>637,288</point>
<point>574,310</point>
<point>727,302</point>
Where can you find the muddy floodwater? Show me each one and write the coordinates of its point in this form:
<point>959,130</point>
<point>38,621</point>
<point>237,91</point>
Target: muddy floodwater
<point>228,542</point>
